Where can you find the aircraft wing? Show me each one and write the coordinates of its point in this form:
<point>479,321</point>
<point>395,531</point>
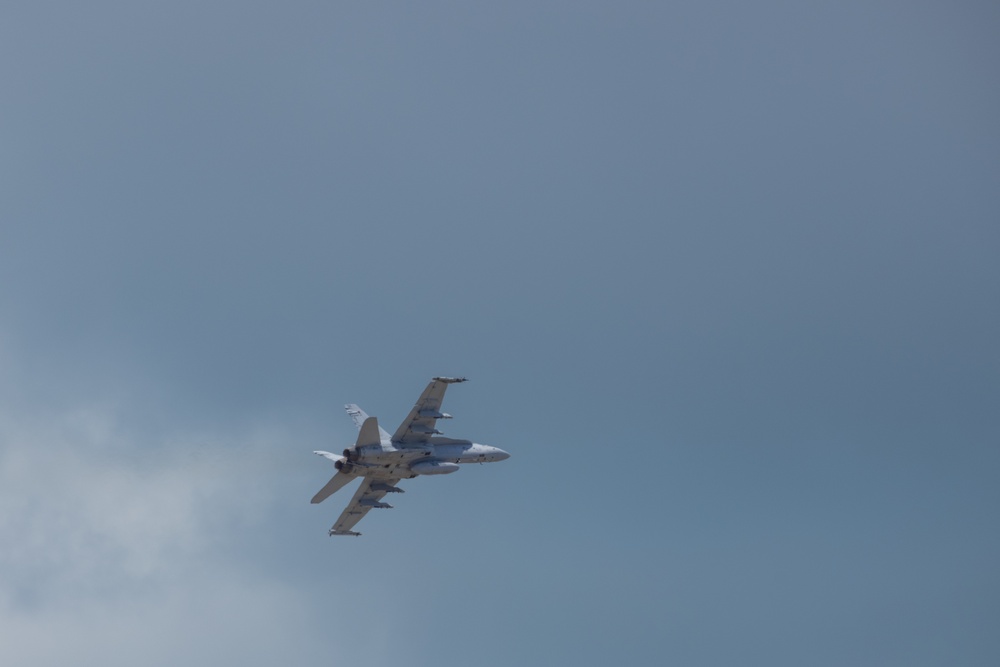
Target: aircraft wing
<point>368,495</point>
<point>420,423</point>
<point>359,416</point>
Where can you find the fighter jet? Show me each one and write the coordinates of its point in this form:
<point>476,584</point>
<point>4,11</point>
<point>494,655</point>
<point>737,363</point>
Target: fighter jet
<point>381,460</point>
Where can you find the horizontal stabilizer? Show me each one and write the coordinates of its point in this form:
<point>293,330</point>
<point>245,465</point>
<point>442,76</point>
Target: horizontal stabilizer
<point>336,483</point>
<point>344,532</point>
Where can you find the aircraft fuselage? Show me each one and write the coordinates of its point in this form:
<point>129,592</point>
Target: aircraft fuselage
<point>437,456</point>
<point>381,459</point>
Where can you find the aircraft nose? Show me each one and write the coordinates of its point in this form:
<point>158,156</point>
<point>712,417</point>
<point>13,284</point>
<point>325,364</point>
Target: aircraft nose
<point>501,455</point>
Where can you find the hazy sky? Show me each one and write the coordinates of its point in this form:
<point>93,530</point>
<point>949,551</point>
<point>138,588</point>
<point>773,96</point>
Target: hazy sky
<point>725,277</point>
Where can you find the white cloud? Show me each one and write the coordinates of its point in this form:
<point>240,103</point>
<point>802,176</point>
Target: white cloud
<point>117,552</point>
<point>82,504</point>
<point>222,621</point>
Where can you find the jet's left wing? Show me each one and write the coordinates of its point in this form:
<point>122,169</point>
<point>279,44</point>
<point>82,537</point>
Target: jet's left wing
<point>420,424</point>
<point>368,495</point>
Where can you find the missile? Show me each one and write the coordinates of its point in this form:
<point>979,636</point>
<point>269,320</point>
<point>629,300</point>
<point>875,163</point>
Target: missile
<point>388,488</point>
<point>434,414</point>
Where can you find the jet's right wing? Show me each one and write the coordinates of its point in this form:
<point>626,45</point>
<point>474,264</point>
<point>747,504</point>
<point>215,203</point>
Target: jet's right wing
<point>368,495</point>
<point>421,423</point>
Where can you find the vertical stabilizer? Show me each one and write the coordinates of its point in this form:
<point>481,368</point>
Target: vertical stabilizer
<point>369,434</point>
<point>358,416</point>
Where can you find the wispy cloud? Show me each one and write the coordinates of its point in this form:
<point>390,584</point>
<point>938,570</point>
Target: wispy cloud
<point>117,551</point>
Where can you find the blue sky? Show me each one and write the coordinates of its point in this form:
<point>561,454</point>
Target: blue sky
<point>724,278</point>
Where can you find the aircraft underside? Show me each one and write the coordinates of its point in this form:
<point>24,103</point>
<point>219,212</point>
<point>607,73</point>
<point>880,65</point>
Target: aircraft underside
<point>381,460</point>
